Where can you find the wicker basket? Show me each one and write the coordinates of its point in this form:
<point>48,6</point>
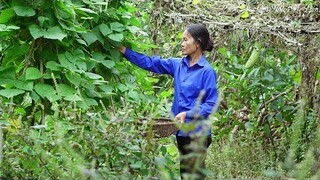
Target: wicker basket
<point>162,127</point>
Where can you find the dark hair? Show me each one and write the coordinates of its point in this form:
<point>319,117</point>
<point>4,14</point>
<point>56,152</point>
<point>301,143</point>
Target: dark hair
<point>200,33</point>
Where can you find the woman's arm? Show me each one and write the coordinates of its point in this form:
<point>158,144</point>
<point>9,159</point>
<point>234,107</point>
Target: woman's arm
<point>154,64</point>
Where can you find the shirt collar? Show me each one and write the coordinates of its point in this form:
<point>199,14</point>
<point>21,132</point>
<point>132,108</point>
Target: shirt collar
<point>200,63</point>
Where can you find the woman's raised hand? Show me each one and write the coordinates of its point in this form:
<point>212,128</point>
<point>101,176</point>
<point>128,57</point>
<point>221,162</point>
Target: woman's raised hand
<point>122,49</point>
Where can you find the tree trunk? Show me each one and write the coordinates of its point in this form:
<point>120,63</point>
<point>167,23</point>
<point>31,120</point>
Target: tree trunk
<point>309,60</point>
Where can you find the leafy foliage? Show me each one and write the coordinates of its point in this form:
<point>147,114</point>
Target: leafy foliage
<point>69,103</point>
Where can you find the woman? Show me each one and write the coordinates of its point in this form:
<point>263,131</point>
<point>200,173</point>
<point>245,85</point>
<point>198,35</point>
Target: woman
<point>193,78</point>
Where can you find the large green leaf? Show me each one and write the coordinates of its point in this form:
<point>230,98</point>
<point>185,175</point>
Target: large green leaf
<point>73,78</point>
<point>15,52</point>
<point>108,63</point>
<point>55,33</point>
<point>24,11</point>
<point>82,65</point>
<point>7,75</point>
<point>122,87</point>
<point>42,20</point>
<point>66,90</point>
<point>9,93</point>
<point>86,103</point>
<point>6,15</point>
<point>66,63</point>
<point>53,66</point>
<point>114,54</point>
<point>46,91</point>
<point>105,30</point>
<point>89,37</point>
<point>98,56</point>
<point>116,37</point>
<point>93,75</point>
<point>73,97</point>
<point>36,31</point>
<point>116,26</point>
<point>106,88</point>
<point>90,102</point>
<point>33,73</point>
<point>52,33</point>
<point>25,85</point>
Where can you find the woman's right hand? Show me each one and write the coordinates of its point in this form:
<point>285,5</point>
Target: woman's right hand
<point>181,117</point>
<point>122,49</point>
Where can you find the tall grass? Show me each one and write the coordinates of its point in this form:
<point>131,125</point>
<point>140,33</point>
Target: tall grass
<point>241,158</point>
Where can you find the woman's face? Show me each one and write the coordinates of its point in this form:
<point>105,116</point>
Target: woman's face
<point>188,45</point>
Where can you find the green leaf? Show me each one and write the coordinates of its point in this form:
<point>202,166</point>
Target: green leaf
<point>9,93</point>
<point>6,15</point>
<point>65,12</point>
<point>82,65</point>
<point>98,56</point>
<point>195,2</point>
<point>32,73</point>
<point>90,37</point>
<point>116,37</point>
<point>115,54</point>
<point>24,11</point>
<point>54,66</point>
<point>15,52</point>
<point>4,28</point>
<point>105,30</point>
<point>90,102</point>
<point>7,75</point>
<point>66,90</point>
<point>242,6</point>
<point>12,27</point>
<point>268,77</point>
<point>106,88</point>
<point>108,63</point>
<point>35,96</point>
<point>122,87</point>
<point>87,10</point>
<point>266,129</point>
<point>25,85</point>
<point>42,20</point>
<point>134,95</point>
<point>66,63</point>
<point>36,31</point>
<point>135,29</point>
<point>55,33</point>
<point>93,75</point>
<point>116,26</point>
<point>72,98</point>
<point>46,91</point>
<point>244,15</point>
<point>73,78</point>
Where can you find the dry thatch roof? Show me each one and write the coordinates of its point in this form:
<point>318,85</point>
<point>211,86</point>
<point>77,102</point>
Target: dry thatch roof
<point>285,20</point>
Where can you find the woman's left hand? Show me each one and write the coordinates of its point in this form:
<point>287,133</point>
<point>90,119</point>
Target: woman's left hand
<point>181,117</point>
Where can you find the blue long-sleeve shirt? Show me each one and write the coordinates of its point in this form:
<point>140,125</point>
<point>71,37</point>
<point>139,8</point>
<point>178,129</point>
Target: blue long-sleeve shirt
<point>188,83</point>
